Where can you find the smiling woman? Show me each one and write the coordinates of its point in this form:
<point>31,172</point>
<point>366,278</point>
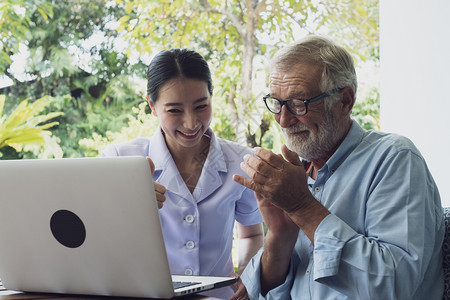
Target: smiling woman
<point>196,167</point>
<point>184,111</point>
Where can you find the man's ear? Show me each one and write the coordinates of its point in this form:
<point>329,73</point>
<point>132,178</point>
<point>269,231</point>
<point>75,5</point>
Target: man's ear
<point>347,99</point>
<point>152,107</point>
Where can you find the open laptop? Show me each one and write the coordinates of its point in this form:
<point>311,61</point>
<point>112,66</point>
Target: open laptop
<point>86,226</point>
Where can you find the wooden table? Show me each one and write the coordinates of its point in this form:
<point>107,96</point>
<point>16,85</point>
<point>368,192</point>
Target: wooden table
<point>16,295</point>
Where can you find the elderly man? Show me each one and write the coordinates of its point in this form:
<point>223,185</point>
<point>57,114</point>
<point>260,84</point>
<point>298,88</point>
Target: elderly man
<point>361,217</point>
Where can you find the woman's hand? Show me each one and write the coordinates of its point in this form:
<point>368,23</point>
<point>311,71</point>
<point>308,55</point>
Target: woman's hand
<point>159,188</point>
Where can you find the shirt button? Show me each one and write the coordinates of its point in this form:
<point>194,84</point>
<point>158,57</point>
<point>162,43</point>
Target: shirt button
<point>190,244</point>
<point>308,271</point>
<point>189,218</point>
<point>188,272</point>
<point>332,171</point>
<point>317,189</point>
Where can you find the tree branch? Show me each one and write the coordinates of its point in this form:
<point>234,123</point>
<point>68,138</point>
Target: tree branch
<point>259,7</point>
<point>234,20</point>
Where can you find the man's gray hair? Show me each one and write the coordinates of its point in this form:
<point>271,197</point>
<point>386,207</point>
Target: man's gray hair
<point>338,66</point>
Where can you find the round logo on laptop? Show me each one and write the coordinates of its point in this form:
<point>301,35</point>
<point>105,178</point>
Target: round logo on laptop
<point>67,228</point>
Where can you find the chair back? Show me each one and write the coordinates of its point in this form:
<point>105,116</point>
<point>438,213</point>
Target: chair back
<point>446,254</point>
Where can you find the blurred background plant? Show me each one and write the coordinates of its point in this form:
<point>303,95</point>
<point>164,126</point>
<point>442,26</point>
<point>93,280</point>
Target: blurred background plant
<point>25,129</point>
<point>90,57</point>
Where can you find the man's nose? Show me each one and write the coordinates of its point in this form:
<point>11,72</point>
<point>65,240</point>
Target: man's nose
<point>285,118</point>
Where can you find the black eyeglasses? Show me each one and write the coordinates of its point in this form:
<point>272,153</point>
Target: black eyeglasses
<point>298,107</point>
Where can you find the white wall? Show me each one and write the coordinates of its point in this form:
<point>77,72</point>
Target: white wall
<point>415,79</point>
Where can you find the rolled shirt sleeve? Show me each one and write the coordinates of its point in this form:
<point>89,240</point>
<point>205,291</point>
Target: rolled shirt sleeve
<point>250,278</point>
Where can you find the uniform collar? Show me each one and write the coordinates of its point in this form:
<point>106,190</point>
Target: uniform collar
<point>167,173</point>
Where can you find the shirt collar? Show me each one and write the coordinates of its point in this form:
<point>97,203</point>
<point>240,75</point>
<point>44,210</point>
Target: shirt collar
<point>215,158</point>
<point>158,150</point>
<point>160,154</point>
<point>351,141</point>
<point>208,182</point>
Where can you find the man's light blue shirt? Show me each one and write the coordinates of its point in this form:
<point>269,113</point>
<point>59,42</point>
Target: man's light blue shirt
<point>383,237</point>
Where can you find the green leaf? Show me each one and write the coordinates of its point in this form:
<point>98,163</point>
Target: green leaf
<point>2,103</point>
<point>24,125</point>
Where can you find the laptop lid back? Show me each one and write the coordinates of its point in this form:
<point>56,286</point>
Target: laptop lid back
<point>82,226</point>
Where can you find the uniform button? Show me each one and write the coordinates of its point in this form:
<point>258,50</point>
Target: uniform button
<point>308,271</point>
<point>317,189</point>
<point>188,272</point>
<point>190,244</point>
<point>189,218</point>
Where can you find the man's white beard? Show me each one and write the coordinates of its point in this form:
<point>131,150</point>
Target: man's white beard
<point>315,146</point>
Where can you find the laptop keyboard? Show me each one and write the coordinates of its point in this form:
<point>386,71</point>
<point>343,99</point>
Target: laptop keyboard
<point>180,284</point>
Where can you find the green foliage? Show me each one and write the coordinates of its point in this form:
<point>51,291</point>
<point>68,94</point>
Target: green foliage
<point>367,112</point>
<point>91,57</point>
<point>355,24</point>
<point>15,25</point>
<point>140,124</point>
<point>25,125</point>
<point>74,56</point>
